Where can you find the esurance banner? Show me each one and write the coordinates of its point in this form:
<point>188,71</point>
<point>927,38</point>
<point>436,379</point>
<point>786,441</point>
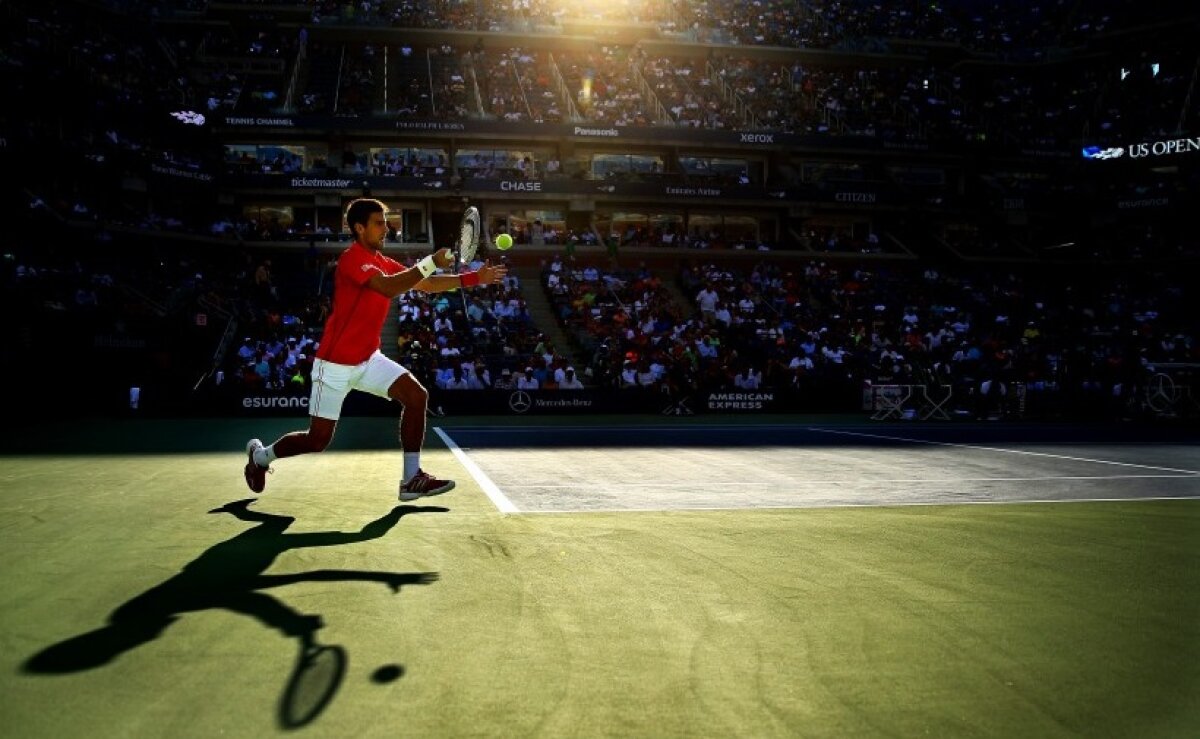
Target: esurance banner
<point>1144,149</point>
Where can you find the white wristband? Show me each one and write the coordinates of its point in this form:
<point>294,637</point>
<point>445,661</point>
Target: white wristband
<point>426,266</point>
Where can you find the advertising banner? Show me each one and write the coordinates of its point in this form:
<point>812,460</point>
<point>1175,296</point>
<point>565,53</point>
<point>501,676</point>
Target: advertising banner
<point>579,133</point>
<point>520,403</point>
<point>558,186</point>
<point>1143,149</point>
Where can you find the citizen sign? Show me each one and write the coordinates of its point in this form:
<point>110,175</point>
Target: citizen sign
<point>855,197</point>
<point>758,138</point>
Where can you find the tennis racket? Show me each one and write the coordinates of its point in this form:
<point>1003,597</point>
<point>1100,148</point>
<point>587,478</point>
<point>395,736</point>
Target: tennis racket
<point>468,238</point>
<point>468,243</point>
<point>315,680</point>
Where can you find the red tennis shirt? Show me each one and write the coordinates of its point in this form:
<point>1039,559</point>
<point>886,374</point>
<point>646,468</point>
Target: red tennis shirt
<point>352,329</point>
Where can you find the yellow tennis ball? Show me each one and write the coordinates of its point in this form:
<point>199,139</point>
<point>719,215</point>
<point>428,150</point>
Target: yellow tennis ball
<point>504,241</point>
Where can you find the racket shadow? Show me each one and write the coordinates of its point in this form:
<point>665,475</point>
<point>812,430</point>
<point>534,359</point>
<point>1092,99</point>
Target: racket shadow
<point>230,575</point>
<point>314,683</point>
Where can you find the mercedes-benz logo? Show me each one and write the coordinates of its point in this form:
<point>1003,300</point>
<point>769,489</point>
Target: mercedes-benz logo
<point>520,401</point>
<point>1161,393</point>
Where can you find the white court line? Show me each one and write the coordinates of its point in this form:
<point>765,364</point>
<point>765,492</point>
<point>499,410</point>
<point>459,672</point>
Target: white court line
<point>506,506</point>
<point>861,481</point>
<point>499,499</point>
<point>898,504</point>
<point>535,429</point>
<point>1006,451</point>
<point>540,429</point>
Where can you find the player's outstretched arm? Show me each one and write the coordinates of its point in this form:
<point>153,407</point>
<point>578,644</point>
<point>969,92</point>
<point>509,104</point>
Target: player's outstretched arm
<point>401,282</point>
<point>488,274</point>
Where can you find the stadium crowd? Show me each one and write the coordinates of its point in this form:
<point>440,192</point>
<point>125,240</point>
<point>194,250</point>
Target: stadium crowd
<point>1079,344</point>
<point>777,324</point>
<point>1077,340</point>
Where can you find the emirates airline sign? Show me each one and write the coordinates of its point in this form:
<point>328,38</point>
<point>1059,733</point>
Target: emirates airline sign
<point>1145,149</point>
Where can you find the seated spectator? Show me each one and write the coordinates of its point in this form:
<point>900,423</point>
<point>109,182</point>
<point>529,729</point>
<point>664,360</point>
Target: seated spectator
<point>747,379</point>
<point>570,381</point>
<point>527,381</point>
<point>505,380</point>
<point>457,381</point>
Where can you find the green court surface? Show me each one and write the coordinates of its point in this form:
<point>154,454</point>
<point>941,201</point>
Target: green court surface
<point>140,598</point>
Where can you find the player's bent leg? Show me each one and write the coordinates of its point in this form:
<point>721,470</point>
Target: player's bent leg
<point>410,393</point>
<point>315,439</point>
<point>256,474</point>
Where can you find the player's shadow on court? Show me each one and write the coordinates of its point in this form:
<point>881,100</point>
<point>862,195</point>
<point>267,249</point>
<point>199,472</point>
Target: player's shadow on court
<point>230,575</point>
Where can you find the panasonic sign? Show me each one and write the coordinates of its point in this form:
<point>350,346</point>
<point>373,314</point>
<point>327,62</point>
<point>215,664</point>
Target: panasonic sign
<point>581,131</point>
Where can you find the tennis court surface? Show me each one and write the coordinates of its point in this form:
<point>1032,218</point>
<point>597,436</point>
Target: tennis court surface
<point>687,578</point>
<point>558,468</point>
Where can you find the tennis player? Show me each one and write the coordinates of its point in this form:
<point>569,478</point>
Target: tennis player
<point>348,357</point>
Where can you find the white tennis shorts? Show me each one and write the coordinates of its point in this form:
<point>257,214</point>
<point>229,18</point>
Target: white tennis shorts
<point>332,382</point>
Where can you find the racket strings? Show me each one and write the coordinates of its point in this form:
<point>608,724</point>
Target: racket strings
<point>468,237</point>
